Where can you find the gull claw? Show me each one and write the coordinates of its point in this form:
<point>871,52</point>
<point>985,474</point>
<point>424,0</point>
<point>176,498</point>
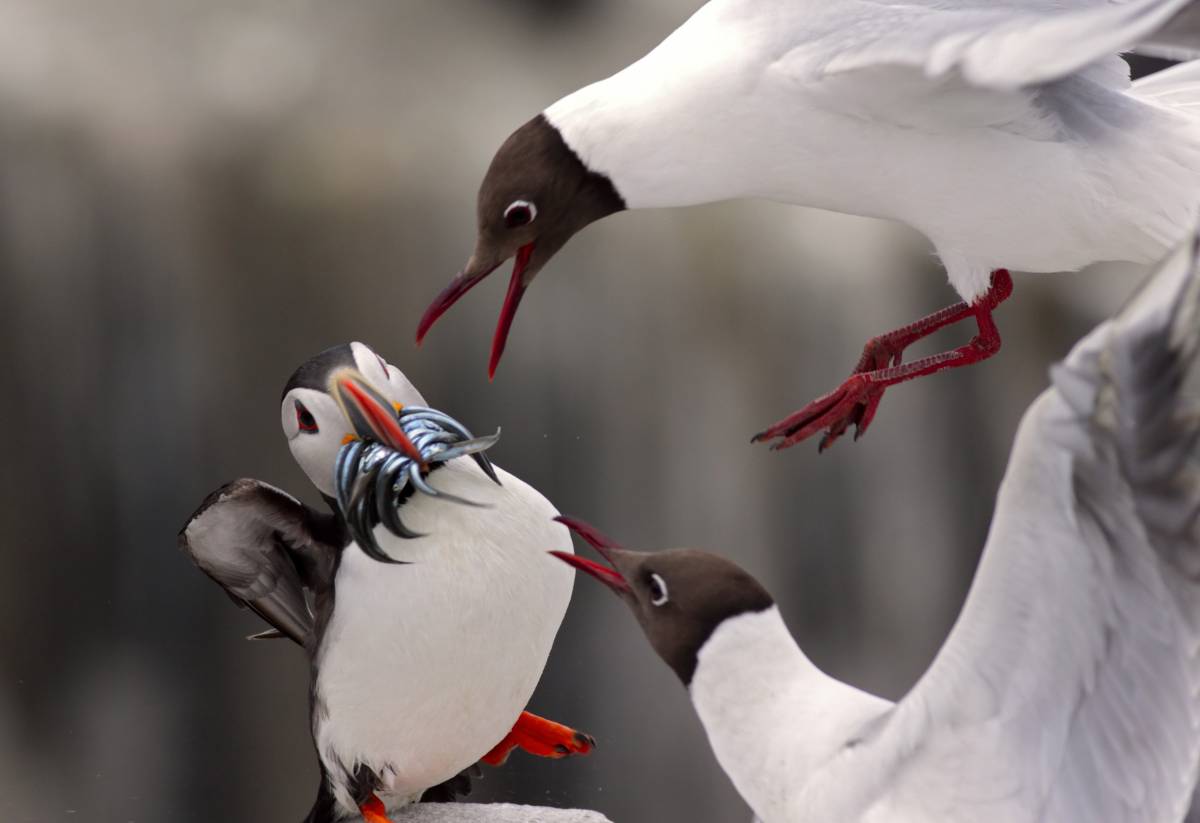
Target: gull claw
<point>853,402</point>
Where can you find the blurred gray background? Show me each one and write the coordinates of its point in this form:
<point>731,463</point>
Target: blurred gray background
<point>196,196</point>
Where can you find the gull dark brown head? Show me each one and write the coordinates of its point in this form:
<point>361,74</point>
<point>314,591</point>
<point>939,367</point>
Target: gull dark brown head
<point>536,194</point>
<point>678,596</point>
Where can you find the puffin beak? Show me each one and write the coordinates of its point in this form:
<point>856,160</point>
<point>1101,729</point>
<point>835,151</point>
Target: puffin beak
<point>608,575</point>
<point>372,417</point>
<point>466,280</point>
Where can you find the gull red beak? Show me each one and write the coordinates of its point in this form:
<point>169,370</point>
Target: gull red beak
<point>460,285</point>
<point>516,290</point>
<point>463,283</point>
<point>608,549</point>
<point>370,413</point>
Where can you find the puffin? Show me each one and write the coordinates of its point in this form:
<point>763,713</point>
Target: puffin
<point>422,594</point>
<point>1008,134</point>
<point>1068,688</point>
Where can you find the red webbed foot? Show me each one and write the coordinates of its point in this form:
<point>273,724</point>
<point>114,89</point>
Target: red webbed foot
<point>373,811</point>
<point>540,737</point>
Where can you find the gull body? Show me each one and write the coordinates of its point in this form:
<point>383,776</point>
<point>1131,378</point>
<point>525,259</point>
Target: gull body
<point>1069,687</point>
<point>1009,134</point>
<point>854,107</point>
<point>425,649</point>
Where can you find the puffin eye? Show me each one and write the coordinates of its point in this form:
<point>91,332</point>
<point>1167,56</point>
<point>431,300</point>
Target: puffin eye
<point>519,213</point>
<point>658,590</point>
<point>304,418</point>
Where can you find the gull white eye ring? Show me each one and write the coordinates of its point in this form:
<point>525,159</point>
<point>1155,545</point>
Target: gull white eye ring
<point>519,213</point>
<point>658,590</point>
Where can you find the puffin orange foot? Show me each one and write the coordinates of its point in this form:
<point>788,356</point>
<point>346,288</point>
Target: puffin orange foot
<point>540,737</point>
<point>373,811</point>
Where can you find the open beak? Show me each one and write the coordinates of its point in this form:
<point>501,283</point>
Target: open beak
<point>608,549</point>
<point>369,412</point>
<point>466,280</point>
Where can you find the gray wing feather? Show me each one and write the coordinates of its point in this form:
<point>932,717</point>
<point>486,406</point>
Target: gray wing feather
<point>1179,37</point>
<point>1003,46</point>
<point>1069,688</point>
<point>1134,377</point>
<point>260,545</point>
<point>1136,482</point>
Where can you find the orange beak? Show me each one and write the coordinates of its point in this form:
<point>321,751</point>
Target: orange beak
<point>371,415</point>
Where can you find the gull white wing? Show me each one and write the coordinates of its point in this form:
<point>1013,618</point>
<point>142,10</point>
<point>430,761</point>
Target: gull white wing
<point>265,548</point>
<point>1002,46</point>
<point>936,65</point>
<point>1069,688</point>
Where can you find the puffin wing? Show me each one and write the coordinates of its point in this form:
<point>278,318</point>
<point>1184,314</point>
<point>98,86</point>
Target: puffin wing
<point>1069,688</point>
<point>265,548</point>
<point>990,45</point>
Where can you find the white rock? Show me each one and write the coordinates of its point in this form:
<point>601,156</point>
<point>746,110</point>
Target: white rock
<point>492,813</point>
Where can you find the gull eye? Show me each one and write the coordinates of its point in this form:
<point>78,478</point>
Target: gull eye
<point>519,213</point>
<point>658,590</point>
<point>304,419</point>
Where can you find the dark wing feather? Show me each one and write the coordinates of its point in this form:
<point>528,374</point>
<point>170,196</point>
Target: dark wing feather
<point>265,548</point>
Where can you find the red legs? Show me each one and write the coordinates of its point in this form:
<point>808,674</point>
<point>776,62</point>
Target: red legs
<point>373,811</point>
<point>534,734</point>
<point>540,737</point>
<point>856,400</point>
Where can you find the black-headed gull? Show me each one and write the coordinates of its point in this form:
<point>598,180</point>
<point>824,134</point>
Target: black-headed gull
<point>1069,688</point>
<point>1008,133</point>
<point>430,622</point>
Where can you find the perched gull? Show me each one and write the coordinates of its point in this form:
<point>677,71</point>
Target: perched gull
<point>1007,132</point>
<point>425,648</point>
<point>1068,690</point>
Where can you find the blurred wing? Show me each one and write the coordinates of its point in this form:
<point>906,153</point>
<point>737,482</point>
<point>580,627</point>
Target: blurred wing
<point>935,65</point>
<point>1069,688</point>
<point>265,548</point>
<point>1179,37</point>
<point>1000,46</point>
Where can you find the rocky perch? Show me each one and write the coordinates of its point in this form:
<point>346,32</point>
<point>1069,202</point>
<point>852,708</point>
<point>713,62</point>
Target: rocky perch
<point>491,813</point>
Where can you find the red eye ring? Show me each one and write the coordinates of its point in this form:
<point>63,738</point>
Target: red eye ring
<point>304,419</point>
